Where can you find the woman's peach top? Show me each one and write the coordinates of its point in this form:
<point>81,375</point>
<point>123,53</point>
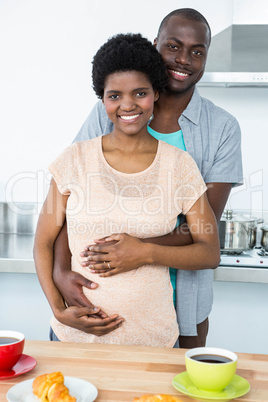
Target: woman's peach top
<point>103,201</point>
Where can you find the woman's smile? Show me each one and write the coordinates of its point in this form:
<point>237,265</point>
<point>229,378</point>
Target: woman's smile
<point>129,118</point>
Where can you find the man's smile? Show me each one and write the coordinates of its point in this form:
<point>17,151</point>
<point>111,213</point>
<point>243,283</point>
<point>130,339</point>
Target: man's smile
<point>178,74</point>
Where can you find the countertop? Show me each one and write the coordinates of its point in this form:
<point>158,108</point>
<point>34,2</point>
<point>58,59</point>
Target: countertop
<point>16,256</point>
<point>121,373</point>
<point>16,253</point>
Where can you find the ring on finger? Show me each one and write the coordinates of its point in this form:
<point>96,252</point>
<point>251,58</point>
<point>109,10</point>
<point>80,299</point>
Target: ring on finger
<point>109,266</point>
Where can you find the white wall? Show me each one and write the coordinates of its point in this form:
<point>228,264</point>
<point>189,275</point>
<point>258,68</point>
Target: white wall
<point>250,12</point>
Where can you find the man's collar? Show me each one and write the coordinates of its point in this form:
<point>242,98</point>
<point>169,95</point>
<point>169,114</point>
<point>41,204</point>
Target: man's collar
<point>193,109</point>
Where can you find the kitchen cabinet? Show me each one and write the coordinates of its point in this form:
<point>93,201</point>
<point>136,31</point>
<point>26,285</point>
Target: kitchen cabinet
<point>238,320</point>
<point>24,307</point>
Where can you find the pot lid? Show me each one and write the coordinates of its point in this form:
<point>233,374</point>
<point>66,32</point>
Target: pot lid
<point>229,215</point>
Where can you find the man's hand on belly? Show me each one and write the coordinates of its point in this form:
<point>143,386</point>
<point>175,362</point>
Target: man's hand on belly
<point>85,319</point>
<point>71,288</point>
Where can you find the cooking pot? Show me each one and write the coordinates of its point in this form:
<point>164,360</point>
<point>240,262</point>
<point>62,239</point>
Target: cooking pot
<point>237,232</point>
<point>264,238</point>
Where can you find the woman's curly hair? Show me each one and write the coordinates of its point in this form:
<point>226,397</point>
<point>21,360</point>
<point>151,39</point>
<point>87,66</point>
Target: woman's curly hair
<point>128,52</point>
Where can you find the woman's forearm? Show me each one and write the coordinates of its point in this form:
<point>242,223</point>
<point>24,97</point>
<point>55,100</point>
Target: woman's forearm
<point>62,256</point>
<point>43,258</point>
<point>51,219</point>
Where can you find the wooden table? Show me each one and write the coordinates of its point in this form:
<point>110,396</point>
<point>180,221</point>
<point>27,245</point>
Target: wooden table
<point>122,372</point>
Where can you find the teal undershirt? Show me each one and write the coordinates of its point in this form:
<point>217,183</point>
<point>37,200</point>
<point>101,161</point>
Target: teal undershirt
<point>177,140</point>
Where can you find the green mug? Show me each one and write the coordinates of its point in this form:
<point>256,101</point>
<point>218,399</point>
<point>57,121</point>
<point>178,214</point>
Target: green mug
<point>210,369</point>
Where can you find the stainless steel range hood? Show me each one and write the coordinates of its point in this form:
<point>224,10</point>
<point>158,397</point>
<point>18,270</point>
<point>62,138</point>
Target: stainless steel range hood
<point>238,56</point>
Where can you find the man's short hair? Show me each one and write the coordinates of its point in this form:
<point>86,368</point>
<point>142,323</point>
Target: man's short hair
<point>188,14</point>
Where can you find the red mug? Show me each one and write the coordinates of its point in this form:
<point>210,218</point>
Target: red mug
<point>11,348</point>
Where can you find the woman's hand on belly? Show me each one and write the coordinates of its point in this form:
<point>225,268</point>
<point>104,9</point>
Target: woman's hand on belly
<point>85,319</point>
<point>115,254</point>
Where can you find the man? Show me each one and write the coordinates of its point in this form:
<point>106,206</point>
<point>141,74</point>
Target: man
<point>210,135</point>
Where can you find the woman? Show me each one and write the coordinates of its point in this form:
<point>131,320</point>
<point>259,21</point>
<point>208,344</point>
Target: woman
<point>126,181</point>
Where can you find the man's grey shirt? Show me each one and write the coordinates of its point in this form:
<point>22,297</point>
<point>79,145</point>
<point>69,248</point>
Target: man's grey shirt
<point>212,137</point>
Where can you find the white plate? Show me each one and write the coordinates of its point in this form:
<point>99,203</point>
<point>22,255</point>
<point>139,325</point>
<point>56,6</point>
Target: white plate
<point>82,390</point>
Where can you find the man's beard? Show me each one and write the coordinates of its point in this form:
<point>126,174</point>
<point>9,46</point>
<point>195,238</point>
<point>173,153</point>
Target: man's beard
<point>173,91</point>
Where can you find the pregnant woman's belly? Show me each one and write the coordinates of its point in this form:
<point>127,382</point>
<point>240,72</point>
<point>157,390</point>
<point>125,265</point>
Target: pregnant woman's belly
<point>143,297</point>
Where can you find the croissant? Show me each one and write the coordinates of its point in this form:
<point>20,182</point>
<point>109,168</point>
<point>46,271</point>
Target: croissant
<point>51,388</point>
<point>157,398</point>
<point>59,393</point>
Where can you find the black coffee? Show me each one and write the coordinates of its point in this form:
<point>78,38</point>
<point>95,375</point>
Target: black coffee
<point>7,339</point>
<point>211,359</point>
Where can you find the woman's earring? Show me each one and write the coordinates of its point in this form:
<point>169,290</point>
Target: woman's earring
<point>150,119</point>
